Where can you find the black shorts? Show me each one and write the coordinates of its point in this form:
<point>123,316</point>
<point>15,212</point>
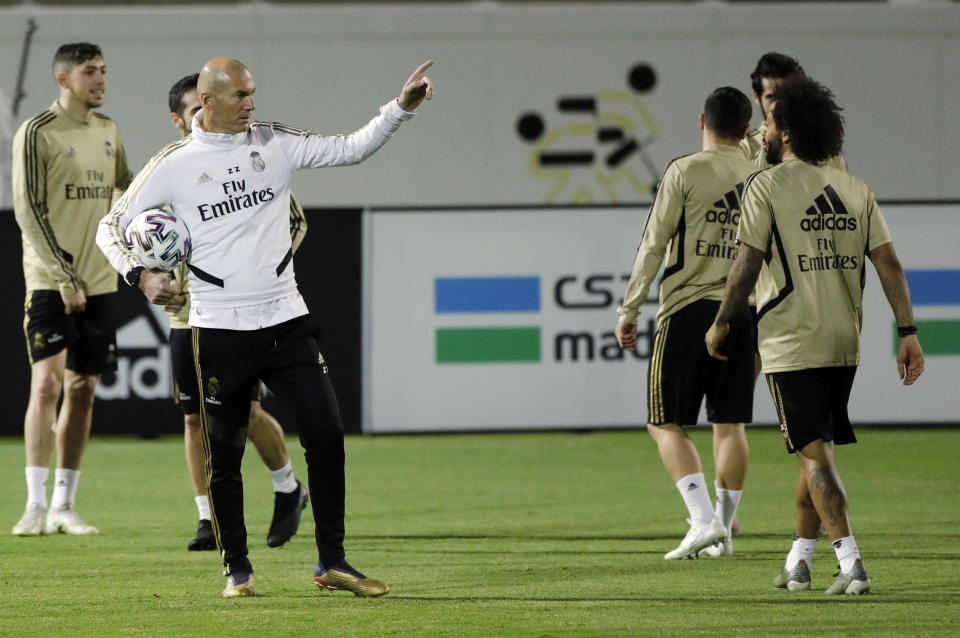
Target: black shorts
<point>812,405</point>
<point>90,337</point>
<point>185,372</point>
<point>681,372</point>
<point>233,362</point>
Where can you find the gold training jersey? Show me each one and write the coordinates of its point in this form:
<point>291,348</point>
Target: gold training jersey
<point>66,174</point>
<point>298,228</point>
<point>816,225</point>
<point>694,222</point>
<point>752,146</point>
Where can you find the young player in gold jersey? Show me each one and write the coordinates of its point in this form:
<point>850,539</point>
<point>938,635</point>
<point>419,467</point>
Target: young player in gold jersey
<point>68,166</point>
<point>290,496</point>
<point>806,231</point>
<point>771,70</point>
<point>693,222</point>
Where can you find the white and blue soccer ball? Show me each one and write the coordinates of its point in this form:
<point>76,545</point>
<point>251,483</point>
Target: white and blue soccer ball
<point>159,238</point>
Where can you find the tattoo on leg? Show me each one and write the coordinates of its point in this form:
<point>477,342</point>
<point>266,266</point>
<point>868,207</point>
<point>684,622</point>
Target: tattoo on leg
<point>833,502</point>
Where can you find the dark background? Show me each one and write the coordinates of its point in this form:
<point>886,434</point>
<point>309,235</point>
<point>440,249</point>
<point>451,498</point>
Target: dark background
<point>329,270</point>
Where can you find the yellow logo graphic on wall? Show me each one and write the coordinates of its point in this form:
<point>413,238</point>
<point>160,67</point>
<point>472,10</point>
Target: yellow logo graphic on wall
<point>597,149</point>
<point>213,386</point>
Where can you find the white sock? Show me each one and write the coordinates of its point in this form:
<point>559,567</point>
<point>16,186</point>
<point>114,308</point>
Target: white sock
<point>203,507</point>
<point>37,485</point>
<point>283,479</point>
<point>847,552</point>
<point>693,489</point>
<point>72,496</point>
<point>727,503</point>
<point>64,487</point>
<point>802,550</point>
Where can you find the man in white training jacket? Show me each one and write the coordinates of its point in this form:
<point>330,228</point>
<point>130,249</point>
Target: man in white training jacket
<point>230,182</point>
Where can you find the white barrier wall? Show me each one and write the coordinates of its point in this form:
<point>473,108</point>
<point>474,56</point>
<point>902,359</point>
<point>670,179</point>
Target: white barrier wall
<point>485,319</point>
<point>536,103</point>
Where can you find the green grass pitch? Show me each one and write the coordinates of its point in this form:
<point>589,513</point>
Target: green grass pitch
<point>559,534</point>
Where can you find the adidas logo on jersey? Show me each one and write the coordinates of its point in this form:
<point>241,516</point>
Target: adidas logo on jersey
<point>726,210</point>
<point>828,213</point>
<point>203,179</point>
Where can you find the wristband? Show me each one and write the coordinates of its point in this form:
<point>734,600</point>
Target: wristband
<point>906,331</point>
<point>133,276</point>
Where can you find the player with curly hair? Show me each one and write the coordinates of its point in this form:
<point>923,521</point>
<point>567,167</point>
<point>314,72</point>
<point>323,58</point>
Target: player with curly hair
<point>805,234</point>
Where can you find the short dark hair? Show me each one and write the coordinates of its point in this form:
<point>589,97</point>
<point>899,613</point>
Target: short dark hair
<point>70,55</point>
<point>775,66</point>
<point>727,113</point>
<point>178,90</point>
<point>806,110</point>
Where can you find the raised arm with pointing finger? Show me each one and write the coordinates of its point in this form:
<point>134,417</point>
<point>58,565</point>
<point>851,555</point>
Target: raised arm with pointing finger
<point>296,149</point>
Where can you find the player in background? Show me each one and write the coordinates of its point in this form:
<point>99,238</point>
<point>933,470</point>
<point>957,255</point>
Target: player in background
<point>290,496</point>
<point>806,231</point>
<point>693,222</point>
<point>68,166</point>
<point>771,70</point>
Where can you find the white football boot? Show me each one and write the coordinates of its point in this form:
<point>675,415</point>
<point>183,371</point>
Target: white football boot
<point>32,522</point>
<point>723,548</point>
<point>698,537</point>
<point>65,520</point>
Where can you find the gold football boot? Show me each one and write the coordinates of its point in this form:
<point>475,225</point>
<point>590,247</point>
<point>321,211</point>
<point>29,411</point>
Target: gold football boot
<point>335,579</point>
<point>239,585</point>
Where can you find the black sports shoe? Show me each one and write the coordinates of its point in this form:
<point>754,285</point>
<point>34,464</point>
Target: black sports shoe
<point>286,515</point>
<point>204,539</point>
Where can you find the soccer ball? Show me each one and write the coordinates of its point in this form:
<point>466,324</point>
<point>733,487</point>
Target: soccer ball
<point>160,239</point>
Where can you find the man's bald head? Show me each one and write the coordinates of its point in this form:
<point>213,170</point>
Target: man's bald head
<point>226,88</point>
<point>218,73</point>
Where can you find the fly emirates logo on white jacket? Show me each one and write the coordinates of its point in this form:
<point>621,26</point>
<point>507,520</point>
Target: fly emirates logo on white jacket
<point>233,192</point>
<point>237,198</point>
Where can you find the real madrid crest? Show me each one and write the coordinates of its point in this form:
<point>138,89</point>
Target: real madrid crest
<point>257,161</point>
<point>109,150</point>
<point>213,386</point>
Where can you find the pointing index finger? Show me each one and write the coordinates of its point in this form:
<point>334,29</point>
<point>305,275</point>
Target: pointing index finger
<point>423,67</point>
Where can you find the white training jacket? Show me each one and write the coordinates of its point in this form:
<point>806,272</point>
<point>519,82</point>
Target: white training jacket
<point>233,192</point>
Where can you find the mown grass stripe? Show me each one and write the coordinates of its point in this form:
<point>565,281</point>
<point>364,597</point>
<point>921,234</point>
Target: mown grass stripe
<point>488,345</point>
<point>489,534</point>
